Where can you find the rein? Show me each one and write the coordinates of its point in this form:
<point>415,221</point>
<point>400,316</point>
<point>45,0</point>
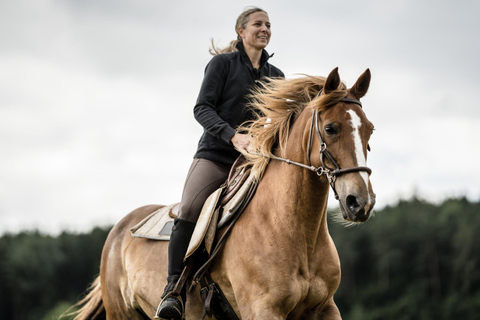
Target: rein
<point>330,173</point>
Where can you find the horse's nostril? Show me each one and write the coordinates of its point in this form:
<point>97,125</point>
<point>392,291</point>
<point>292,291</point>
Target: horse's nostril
<point>352,203</point>
<point>361,213</point>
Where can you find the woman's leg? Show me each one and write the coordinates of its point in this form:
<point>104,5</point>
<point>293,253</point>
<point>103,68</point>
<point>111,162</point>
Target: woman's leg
<point>204,177</point>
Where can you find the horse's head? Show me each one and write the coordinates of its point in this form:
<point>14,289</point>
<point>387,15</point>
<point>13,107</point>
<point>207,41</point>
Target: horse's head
<point>345,131</point>
<point>331,122</point>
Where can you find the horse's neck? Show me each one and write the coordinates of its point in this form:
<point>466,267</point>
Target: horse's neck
<point>298,191</point>
<point>296,201</point>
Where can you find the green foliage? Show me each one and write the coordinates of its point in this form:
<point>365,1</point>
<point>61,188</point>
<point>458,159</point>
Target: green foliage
<point>37,271</point>
<point>413,261</point>
<point>59,311</point>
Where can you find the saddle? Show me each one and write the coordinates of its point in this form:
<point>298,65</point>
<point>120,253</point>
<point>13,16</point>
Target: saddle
<point>221,210</point>
<point>223,204</point>
<point>227,199</point>
<point>237,176</point>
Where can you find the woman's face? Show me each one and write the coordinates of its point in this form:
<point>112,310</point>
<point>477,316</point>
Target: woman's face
<point>257,32</point>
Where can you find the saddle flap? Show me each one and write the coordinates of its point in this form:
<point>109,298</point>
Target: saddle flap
<point>244,193</point>
<point>204,221</point>
<point>237,176</point>
<point>211,232</point>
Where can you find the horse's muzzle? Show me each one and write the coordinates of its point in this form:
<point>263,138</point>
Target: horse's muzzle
<point>356,208</point>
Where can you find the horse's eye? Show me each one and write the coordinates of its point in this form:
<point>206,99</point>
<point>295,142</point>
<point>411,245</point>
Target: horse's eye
<point>330,130</point>
<point>368,147</point>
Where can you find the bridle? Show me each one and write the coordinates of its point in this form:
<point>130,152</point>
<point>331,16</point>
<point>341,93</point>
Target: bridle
<point>330,173</point>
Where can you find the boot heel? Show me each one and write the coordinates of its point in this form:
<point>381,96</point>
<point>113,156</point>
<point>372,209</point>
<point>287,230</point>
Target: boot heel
<point>170,308</point>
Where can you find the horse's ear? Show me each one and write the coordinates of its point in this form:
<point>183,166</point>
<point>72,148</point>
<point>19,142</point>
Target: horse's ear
<point>360,87</point>
<point>332,82</point>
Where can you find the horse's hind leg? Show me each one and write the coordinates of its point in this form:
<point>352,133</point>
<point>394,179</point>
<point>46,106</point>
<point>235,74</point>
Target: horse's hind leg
<point>117,293</point>
<point>115,289</point>
<point>117,301</point>
<point>125,314</point>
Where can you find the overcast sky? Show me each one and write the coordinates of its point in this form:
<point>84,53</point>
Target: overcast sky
<point>96,97</point>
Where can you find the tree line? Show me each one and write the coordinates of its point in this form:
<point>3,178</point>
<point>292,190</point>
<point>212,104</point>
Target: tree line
<point>414,261</point>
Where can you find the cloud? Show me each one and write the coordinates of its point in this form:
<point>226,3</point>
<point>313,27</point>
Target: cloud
<point>96,99</point>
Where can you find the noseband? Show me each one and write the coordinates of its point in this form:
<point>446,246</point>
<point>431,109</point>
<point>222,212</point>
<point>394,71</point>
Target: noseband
<point>330,173</point>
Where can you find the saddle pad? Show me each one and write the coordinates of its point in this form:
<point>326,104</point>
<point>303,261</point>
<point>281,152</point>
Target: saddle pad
<point>156,226</point>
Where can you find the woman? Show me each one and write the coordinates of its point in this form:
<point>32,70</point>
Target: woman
<point>220,108</point>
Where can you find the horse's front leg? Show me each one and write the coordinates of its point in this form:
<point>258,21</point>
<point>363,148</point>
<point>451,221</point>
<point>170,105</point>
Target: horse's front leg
<point>260,309</point>
<point>329,312</point>
<point>255,302</point>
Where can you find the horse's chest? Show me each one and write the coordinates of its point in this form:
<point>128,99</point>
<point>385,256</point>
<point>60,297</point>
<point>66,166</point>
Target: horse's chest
<point>323,283</point>
<point>320,290</point>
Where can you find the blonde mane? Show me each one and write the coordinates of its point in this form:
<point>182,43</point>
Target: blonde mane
<point>278,103</point>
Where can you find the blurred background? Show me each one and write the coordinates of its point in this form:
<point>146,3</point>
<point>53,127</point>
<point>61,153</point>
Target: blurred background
<point>96,101</point>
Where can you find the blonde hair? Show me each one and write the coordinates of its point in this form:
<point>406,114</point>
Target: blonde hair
<point>242,21</point>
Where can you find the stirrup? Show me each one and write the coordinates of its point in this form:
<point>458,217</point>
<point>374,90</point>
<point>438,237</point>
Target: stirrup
<point>169,295</point>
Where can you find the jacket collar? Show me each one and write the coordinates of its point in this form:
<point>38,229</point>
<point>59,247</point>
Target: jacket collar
<point>263,59</point>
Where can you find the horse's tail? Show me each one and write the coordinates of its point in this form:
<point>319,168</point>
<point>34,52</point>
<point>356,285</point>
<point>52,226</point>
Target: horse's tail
<point>91,307</point>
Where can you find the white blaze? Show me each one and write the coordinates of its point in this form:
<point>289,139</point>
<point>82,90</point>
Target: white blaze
<point>356,123</point>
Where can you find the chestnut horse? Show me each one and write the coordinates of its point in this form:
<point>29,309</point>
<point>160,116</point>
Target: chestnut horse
<point>279,262</point>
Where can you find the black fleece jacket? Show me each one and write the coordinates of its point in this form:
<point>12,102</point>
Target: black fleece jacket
<point>221,104</point>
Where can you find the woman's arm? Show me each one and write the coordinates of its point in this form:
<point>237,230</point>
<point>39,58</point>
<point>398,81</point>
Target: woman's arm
<point>205,110</point>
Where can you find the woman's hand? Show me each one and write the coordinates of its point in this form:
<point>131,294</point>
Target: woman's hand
<point>241,141</point>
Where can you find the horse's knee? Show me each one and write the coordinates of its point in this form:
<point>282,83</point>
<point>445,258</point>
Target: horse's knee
<point>263,309</point>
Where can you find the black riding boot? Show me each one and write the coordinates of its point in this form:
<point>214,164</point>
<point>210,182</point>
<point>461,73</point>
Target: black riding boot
<point>172,307</point>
